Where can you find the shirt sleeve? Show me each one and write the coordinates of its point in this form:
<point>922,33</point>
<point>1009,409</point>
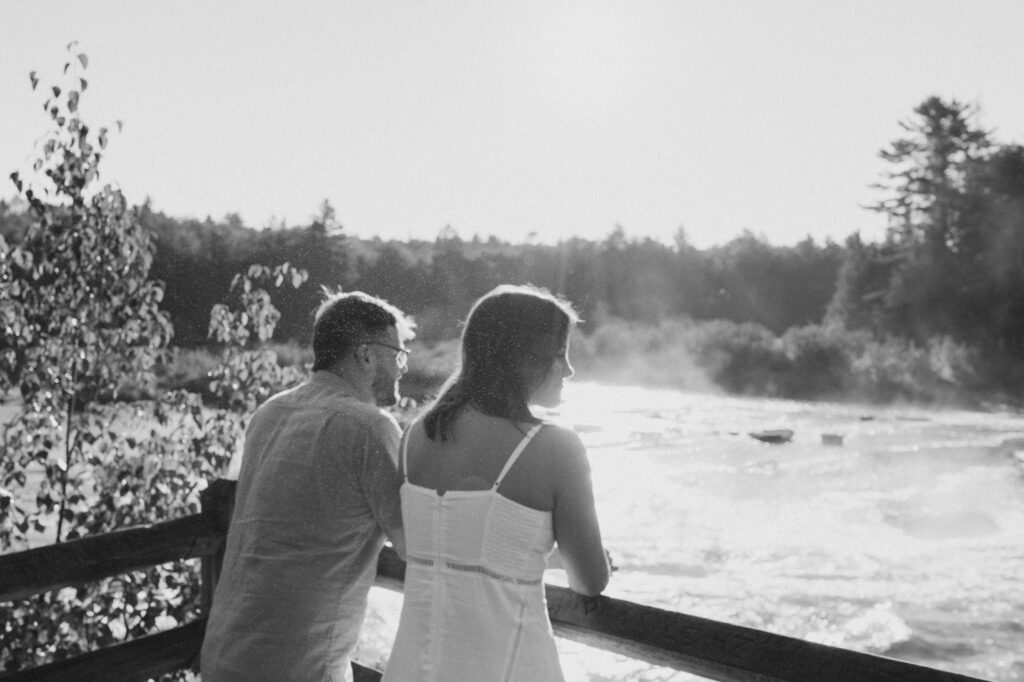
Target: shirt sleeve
<point>379,477</point>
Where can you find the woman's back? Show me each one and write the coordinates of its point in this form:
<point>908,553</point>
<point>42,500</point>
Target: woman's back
<point>551,474</point>
<point>475,454</point>
<point>474,601</point>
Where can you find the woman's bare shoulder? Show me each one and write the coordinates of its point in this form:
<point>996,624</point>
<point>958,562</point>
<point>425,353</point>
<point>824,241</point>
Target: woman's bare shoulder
<point>559,435</point>
<point>562,447</point>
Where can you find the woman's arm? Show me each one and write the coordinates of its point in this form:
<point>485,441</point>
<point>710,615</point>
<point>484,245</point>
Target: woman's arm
<point>577,531</point>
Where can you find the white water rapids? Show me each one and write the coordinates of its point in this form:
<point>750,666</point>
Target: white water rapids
<point>905,540</point>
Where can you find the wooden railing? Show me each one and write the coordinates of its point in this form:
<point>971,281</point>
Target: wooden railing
<point>708,648</point>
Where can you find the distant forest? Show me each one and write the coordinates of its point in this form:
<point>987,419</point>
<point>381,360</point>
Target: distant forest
<point>950,270</point>
<point>437,281</point>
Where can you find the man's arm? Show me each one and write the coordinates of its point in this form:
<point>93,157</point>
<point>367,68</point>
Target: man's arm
<point>382,481</point>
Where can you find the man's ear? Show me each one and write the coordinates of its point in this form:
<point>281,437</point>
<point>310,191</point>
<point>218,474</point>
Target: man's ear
<point>363,356</point>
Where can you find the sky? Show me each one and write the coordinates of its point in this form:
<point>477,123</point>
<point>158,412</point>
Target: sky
<point>526,120</point>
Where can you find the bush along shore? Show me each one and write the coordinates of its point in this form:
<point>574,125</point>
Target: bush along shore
<point>806,363</point>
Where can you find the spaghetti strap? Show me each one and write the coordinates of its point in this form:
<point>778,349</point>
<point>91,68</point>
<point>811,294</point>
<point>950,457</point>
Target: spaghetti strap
<point>515,454</point>
<point>404,457</point>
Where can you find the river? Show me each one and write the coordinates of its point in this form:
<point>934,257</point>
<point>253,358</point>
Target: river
<point>893,530</point>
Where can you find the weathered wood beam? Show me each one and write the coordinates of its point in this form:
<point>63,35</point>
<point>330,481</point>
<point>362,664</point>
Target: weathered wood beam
<point>218,502</point>
<point>140,659</point>
<point>709,648</point>
<point>363,674</point>
<point>720,651</point>
<point>390,570</point>
<point>27,573</point>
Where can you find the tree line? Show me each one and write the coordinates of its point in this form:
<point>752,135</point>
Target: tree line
<point>634,279</point>
<point>951,265</point>
<point>436,281</point>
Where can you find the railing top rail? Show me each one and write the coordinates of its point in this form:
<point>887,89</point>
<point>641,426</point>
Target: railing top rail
<point>23,574</point>
<point>701,646</point>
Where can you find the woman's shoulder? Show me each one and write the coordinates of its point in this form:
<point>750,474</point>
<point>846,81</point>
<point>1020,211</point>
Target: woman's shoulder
<point>558,435</point>
<point>563,450</point>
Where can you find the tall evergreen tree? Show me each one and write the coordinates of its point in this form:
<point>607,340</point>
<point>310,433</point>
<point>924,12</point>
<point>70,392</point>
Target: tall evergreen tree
<point>933,208</point>
<point>928,200</point>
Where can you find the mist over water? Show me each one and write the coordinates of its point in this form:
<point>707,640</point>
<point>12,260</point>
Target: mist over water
<point>904,541</point>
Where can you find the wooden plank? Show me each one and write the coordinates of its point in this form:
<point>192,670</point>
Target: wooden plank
<point>27,573</point>
<point>218,502</point>
<point>720,651</point>
<point>390,570</point>
<point>711,649</point>
<point>363,674</point>
<point>140,659</point>
<point>141,547</point>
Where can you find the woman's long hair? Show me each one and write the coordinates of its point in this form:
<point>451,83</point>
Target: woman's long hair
<point>512,336</point>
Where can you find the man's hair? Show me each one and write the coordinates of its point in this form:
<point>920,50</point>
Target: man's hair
<point>344,320</point>
<point>511,339</point>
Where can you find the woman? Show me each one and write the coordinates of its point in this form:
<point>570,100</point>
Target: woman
<point>489,490</point>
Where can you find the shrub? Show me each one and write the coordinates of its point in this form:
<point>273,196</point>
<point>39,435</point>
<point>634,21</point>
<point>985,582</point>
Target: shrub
<point>743,358</point>
<point>813,362</point>
<point>81,320</point>
<point>818,363</point>
<point>890,369</point>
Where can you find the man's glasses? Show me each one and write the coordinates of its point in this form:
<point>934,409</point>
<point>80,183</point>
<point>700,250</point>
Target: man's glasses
<point>401,354</point>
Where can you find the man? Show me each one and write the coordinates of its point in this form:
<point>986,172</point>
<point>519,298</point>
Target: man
<point>317,492</point>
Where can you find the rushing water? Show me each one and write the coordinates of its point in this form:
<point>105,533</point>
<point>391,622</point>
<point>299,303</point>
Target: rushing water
<point>905,540</point>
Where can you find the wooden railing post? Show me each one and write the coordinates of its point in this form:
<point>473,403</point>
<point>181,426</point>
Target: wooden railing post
<point>218,501</point>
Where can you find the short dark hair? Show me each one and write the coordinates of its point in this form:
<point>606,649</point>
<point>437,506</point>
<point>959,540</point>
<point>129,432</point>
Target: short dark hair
<point>345,319</point>
<point>511,339</point>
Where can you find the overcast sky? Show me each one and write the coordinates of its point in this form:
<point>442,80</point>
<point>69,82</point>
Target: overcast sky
<point>510,118</point>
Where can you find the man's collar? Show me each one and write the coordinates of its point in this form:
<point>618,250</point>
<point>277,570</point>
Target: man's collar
<point>326,377</point>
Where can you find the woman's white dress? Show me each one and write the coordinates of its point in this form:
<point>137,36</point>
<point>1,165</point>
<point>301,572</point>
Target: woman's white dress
<point>474,605</point>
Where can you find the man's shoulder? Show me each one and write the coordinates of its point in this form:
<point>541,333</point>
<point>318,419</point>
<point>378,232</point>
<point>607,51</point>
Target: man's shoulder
<point>352,416</point>
<point>364,412</point>
<point>289,394</point>
<point>339,408</point>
